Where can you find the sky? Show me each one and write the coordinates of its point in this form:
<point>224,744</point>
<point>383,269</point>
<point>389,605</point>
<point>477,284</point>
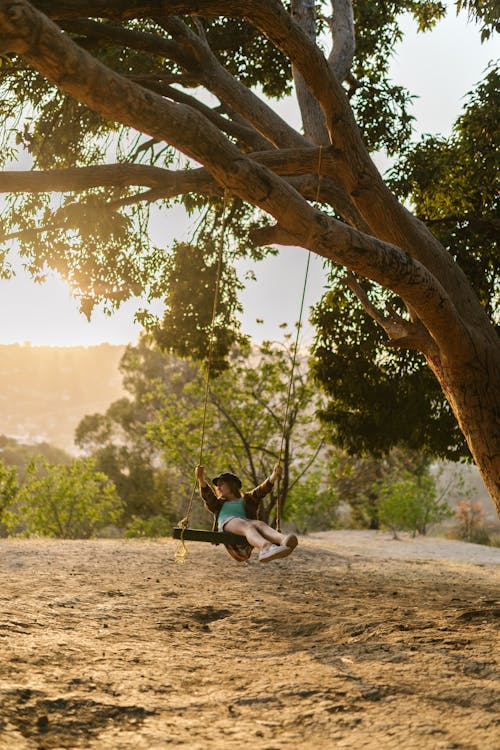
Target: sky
<point>439,68</point>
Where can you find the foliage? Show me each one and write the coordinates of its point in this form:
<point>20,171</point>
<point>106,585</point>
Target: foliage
<point>485,12</point>
<point>313,505</point>
<point>381,396</point>
<point>153,438</point>
<point>98,238</point>
<point>154,526</point>
<point>8,485</point>
<point>118,441</point>
<point>246,430</point>
<point>119,448</point>
<point>358,480</point>
<point>8,491</point>
<point>409,503</point>
<point>63,501</point>
<point>186,328</point>
<point>470,523</point>
<point>20,455</point>
<point>197,132</point>
<point>446,181</point>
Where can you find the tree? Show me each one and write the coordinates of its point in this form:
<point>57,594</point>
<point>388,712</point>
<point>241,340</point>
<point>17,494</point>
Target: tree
<point>131,66</point>
<point>65,502</point>
<point>410,503</point>
<point>20,455</point>
<point>8,490</point>
<point>380,396</point>
<point>119,443</point>
<point>262,410</point>
<point>313,505</point>
<point>159,430</point>
<point>471,523</point>
<point>358,480</point>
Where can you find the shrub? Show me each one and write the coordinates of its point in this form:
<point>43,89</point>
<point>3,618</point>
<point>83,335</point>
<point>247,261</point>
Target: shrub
<point>155,526</point>
<point>63,501</point>
<point>471,526</point>
<point>409,504</point>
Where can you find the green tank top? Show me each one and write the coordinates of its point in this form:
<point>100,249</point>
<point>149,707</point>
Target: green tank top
<point>232,508</point>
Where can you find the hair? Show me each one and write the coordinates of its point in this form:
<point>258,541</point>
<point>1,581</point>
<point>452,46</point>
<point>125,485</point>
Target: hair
<point>234,487</point>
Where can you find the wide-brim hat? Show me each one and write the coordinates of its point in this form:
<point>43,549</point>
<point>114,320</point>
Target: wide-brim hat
<point>226,476</point>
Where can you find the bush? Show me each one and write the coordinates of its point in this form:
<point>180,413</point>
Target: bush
<point>471,526</point>
<point>409,504</point>
<point>8,491</point>
<point>311,507</point>
<point>156,526</point>
<point>63,501</point>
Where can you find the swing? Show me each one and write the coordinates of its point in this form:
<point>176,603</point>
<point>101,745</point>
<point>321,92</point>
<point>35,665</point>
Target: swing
<point>237,545</point>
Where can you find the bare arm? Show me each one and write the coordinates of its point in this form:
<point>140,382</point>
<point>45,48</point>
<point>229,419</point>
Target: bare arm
<point>200,476</point>
<point>276,473</point>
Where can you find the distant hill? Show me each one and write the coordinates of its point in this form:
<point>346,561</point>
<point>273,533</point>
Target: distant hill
<point>45,391</point>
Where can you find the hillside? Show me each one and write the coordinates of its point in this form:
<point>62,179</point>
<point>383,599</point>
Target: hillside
<point>45,391</point>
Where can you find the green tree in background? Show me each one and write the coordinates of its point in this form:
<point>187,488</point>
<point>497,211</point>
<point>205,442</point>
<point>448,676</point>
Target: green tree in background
<point>409,503</point>
<point>357,480</point>
<point>313,504</point>
<point>20,455</point>
<point>119,442</point>
<point>117,105</point>
<point>248,426</point>
<point>156,433</point>
<point>8,491</point>
<point>63,501</point>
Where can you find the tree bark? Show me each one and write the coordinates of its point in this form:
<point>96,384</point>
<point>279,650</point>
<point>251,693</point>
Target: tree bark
<point>472,387</point>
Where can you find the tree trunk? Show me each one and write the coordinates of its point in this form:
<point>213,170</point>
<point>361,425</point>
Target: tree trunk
<point>472,388</point>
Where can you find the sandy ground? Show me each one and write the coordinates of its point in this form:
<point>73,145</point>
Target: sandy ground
<point>355,641</point>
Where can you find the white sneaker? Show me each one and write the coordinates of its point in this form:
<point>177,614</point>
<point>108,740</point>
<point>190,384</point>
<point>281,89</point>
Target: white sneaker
<point>290,541</point>
<point>273,552</point>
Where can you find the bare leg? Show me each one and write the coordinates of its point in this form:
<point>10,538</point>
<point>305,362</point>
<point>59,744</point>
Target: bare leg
<point>253,532</point>
<point>268,532</point>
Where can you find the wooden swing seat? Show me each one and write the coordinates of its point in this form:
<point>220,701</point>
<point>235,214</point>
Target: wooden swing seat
<point>215,537</point>
<point>235,544</point>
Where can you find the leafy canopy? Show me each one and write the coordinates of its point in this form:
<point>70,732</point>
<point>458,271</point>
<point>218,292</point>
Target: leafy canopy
<point>381,396</point>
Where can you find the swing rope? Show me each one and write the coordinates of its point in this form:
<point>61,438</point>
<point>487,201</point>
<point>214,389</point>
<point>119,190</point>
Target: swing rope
<point>294,359</point>
<point>184,523</point>
<point>289,395</point>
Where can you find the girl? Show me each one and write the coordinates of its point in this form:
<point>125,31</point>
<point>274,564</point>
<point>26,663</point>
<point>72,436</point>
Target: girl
<point>236,512</point>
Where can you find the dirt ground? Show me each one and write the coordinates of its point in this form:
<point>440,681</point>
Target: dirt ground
<point>354,641</point>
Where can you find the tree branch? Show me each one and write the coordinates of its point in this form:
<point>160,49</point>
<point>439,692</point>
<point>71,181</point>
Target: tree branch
<point>27,32</point>
<point>105,175</point>
<point>244,133</point>
<point>308,465</point>
<point>313,121</point>
<point>402,333</point>
<point>167,184</point>
<point>227,416</point>
<point>227,88</point>
<point>112,34</point>
<point>341,25</point>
